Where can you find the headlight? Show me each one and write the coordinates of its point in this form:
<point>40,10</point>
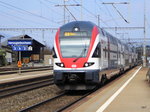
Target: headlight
<point>60,64</point>
<point>87,64</point>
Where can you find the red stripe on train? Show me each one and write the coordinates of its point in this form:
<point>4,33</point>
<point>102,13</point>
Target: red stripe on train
<point>68,62</point>
<point>57,44</point>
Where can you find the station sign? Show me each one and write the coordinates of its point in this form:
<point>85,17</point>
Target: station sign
<point>19,42</point>
<point>21,45</point>
<point>22,48</point>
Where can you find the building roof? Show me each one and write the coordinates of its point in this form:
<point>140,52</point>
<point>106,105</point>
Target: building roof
<point>20,37</point>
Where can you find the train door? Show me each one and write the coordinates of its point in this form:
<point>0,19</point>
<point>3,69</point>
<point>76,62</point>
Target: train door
<point>119,54</point>
<point>102,58</point>
<point>104,54</point>
<point>104,50</point>
<point>122,55</point>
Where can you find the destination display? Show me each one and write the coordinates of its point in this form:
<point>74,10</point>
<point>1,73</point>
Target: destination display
<point>68,34</point>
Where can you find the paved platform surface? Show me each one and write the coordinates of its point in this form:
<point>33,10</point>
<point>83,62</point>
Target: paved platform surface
<point>26,75</point>
<point>129,93</point>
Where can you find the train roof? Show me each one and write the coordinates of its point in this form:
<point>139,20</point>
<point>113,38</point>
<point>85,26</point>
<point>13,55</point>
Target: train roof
<point>83,25</point>
<point>88,26</point>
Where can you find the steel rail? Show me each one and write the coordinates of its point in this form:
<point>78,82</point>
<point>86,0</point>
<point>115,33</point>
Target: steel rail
<point>25,87</point>
<point>70,104</point>
<point>42,102</point>
<point>108,83</point>
<point>105,85</point>
<point>15,68</point>
<point>24,70</point>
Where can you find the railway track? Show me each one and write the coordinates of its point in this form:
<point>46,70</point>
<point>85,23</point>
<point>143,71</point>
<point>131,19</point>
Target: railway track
<point>58,103</point>
<point>73,102</point>
<point>4,71</point>
<point>42,102</point>
<point>51,102</point>
<point>25,87</point>
<point>16,68</point>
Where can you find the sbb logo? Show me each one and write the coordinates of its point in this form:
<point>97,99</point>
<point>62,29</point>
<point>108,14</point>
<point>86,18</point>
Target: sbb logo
<point>74,66</point>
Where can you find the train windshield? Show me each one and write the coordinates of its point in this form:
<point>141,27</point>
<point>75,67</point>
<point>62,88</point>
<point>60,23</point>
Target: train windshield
<point>74,45</point>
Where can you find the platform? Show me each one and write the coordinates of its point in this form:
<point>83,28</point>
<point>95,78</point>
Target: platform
<point>128,93</point>
<point>23,76</point>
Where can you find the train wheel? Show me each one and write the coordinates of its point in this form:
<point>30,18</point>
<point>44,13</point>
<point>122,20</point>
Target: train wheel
<point>123,71</point>
<point>104,79</point>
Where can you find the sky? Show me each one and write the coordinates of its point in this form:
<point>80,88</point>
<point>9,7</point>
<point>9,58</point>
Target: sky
<point>45,14</point>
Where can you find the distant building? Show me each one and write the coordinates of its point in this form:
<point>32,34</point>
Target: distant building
<point>2,57</point>
<point>48,58</point>
<point>8,54</point>
<point>35,55</point>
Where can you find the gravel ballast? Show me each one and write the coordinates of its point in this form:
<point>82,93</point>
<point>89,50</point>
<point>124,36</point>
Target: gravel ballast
<point>20,101</point>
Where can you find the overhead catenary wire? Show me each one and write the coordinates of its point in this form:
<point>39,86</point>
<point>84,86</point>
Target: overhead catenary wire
<point>23,10</point>
<point>75,9</point>
<point>44,2</point>
<point>147,23</point>
<point>120,13</point>
<point>65,7</point>
<point>8,16</point>
<point>99,7</point>
<point>51,2</point>
<point>71,14</point>
<point>95,16</point>
<point>19,18</point>
<point>88,12</point>
<point>110,14</point>
<point>41,7</point>
<point>56,12</point>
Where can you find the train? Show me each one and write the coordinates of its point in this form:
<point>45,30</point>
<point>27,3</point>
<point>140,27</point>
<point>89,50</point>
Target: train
<point>86,56</point>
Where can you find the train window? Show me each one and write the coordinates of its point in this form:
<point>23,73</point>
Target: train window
<point>54,53</point>
<point>103,33</point>
<point>97,52</point>
<point>75,46</point>
<point>105,52</point>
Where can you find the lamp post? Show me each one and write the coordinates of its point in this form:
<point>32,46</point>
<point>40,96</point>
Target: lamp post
<point>144,43</point>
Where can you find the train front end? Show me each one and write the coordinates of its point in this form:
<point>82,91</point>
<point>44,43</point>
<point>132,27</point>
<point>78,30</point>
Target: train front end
<point>75,65</point>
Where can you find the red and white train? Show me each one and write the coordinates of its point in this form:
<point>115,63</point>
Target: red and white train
<point>86,55</point>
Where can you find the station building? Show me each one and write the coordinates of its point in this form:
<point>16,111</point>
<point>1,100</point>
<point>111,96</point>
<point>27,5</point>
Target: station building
<point>35,55</point>
<point>6,55</point>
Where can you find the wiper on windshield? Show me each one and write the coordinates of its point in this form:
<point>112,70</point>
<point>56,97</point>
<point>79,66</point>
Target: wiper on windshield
<point>81,55</point>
